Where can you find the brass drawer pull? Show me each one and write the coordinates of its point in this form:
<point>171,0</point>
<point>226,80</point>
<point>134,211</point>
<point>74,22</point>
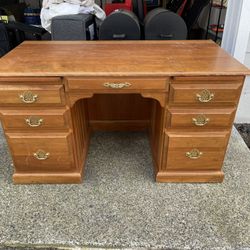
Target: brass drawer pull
<point>194,154</point>
<point>205,96</point>
<point>41,155</point>
<point>200,120</point>
<point>117,85</point>
<point>28,97</point>
<point>34,121</point>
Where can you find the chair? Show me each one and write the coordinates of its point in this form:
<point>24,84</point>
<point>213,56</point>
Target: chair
<point>120,25</point>
<point>192,14</point>
<point>161,24</point>
<point>18,32</point>
<point>4,40</point>
<point>73,27</point>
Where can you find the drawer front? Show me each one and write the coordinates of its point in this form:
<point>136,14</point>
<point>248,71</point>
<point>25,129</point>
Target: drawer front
<point>195,151</point>
<point>117,84</point>
<point>33,120</point>
<point>200,118</point>
<point>31,95</point>
<point>205,91</point>
<point>41,152</point>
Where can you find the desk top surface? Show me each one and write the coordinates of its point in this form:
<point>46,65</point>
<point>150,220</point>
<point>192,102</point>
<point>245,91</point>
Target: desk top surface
<point>119,58</point>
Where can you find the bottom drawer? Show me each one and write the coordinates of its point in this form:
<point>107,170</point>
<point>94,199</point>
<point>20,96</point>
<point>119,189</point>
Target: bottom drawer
<point>195,151</point>
<point>42,153</point>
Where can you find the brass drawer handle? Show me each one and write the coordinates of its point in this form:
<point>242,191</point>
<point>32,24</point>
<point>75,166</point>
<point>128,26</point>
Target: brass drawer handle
<point>205,96</point>
<point>28,97</point>
<point>200,120</point>
<point>34,121</point>
<point>194,154</point>
<point>41,155</point>
<point>117,85</point>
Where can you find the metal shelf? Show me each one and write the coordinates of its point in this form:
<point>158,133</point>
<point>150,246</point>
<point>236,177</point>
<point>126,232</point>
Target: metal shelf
<point>220,7</point>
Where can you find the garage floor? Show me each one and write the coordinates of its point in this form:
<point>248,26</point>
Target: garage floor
<point>119,205</point>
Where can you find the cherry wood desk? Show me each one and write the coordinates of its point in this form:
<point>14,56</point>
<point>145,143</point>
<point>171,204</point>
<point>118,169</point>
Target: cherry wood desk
<point>54,94</point>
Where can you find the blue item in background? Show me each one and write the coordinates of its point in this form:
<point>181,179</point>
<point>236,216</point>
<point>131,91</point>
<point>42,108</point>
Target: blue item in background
<point>32,16</point>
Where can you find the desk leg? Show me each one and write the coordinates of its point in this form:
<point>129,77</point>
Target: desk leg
<point>158,123</point>
<point>81,132</point>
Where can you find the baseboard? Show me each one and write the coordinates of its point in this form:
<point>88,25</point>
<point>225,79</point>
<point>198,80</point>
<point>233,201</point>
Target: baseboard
<point>190,176</point>
<point>47,178</point>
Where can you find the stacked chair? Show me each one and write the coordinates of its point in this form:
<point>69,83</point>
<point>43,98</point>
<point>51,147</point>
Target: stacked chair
<point>4,40</point>
<point>73,27</point>
<point>161,24</point>
<point>173,23</point>
<point>120,25</point>
<point>128,23</point>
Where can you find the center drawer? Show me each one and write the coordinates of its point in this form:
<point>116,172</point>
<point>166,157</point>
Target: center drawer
<point>42,152</point>
<point>117,84</point>
<point>195,150</point>
<point>35,119</point>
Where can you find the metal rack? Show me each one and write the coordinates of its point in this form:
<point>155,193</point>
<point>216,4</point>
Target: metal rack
<point>220,7</point>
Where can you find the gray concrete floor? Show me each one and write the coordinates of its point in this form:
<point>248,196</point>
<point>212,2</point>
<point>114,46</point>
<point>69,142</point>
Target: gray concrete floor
<point>119,205</point>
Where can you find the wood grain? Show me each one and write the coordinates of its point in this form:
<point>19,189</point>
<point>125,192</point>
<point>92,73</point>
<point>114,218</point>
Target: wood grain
<point>58,145</point>
<point>212,146</point>
<point>81,132</point>
<point>120,58</point>
<point>190,176</point>
<point>52,119</point>
<point>47,178</point>
<point>46,94</point>
<point>185,93</point>
<point>183,118</point>
<point>78,83</point>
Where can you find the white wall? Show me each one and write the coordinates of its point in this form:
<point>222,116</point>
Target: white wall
<point>236,40</point>
<point>243,113</point>
<point>242,53</point>
<point>247,58</point>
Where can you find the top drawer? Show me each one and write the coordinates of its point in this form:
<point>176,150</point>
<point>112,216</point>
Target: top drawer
<point>206,90</point>
<point>31,95</point>
<point>124,84</point>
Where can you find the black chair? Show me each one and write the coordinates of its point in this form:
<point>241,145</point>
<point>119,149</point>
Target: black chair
<point>120,25</point>
<point>138,9</point>
<point>174,5</point>
<point>73,27</point>
<point>162,24</point>
<point>17,32</point>
<point>4,40</point>
<point>191,11</point>
<point>191,14</point>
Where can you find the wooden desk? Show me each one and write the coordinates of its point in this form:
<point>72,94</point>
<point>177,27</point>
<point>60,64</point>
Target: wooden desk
<point>54,94</point>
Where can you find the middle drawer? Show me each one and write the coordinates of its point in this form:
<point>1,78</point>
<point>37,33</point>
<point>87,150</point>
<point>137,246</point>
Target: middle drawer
<point>200,118</point>
<point>35,119</point>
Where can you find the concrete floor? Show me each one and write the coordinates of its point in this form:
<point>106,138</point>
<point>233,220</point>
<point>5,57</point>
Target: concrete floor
<point>119,205</point>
